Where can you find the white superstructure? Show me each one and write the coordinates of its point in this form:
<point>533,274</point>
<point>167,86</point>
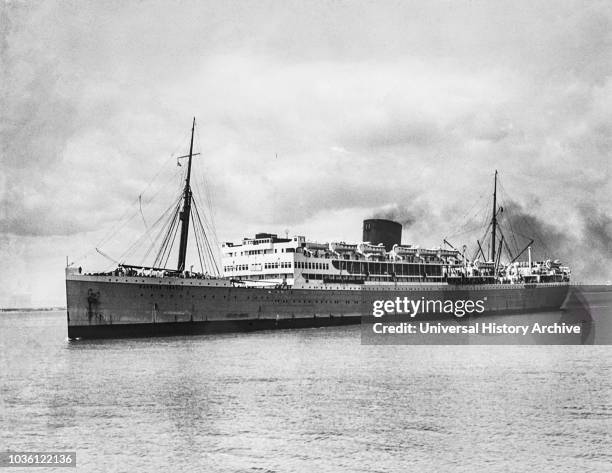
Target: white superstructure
<point>271,260</point>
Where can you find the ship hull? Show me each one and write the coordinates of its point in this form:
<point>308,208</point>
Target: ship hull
<point>113,307</point>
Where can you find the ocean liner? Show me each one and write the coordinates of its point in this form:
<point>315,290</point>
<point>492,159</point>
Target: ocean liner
<point>272,282</point>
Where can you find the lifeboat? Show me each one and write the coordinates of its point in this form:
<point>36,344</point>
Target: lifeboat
<point>400,250</point>
<point>341,247</point>
<point>369,249</point>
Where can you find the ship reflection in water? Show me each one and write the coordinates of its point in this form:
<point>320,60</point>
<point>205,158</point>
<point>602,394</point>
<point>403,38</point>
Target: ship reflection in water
<point>303,401</point>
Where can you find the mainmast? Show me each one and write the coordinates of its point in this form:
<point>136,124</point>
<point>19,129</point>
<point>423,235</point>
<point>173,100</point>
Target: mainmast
<point>184,216</point>
<point>494,219</point>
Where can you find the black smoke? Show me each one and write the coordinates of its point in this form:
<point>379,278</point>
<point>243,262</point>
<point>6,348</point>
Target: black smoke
<point>519,227</point>
<point>584,245</point>
<point>406,217</point>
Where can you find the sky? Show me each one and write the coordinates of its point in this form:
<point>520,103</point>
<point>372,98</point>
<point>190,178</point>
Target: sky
<point>311,116</point>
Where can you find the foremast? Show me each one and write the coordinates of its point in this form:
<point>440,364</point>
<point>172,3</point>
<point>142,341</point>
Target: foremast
<point>186,211</point>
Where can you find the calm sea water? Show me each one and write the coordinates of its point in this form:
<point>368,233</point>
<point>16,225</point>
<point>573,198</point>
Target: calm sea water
<point>301,400</point>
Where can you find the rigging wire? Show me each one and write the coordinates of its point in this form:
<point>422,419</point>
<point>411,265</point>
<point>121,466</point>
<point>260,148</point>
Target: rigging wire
<point>198,243</point>
<point>471,215</point>
<point>132,209</point>
<point>208,215</point>
<point>143,217</point>
<point>209,255</point>
<point>167,224</point>
<point>171,244</point>
<point>141,239</point>
<point>170,235</point>
<point>508,208</point>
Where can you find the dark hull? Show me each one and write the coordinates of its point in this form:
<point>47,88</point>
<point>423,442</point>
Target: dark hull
<point>202,328</point>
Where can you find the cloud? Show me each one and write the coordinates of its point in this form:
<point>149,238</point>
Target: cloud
<point>307,113</point>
